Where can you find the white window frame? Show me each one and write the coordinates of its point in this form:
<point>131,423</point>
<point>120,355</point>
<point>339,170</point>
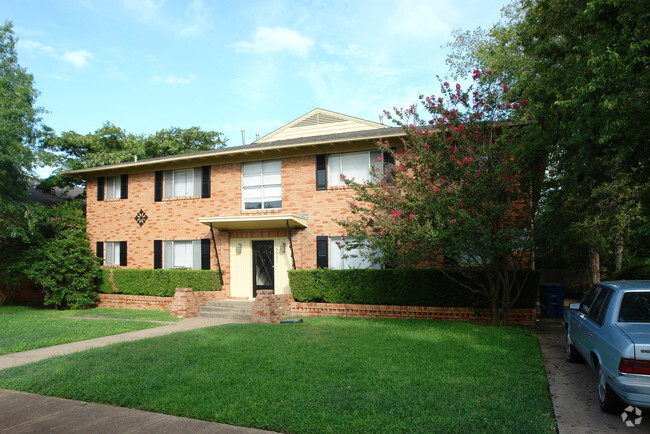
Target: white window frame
<point>112,253</point>
<point>336,166</point>
<point>190,251</point>
<point>342,259</point>
<point>265,179</point>
<point>190,187</point>
<point>113,187</point>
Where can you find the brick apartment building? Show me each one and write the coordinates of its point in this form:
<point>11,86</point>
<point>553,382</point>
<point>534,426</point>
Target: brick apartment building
<point>252,211</point>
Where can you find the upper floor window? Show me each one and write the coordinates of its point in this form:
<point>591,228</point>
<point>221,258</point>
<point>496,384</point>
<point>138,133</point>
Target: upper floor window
<point>113,187</point>
<point>182,183</point>
<point>361,166</point>
<point>262,185</point>
<point>354,165</point>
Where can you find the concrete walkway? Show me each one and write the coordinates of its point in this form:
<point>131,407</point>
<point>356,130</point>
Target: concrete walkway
<point>573,388</point>
<point>28,413</point>
<point>22,358</point>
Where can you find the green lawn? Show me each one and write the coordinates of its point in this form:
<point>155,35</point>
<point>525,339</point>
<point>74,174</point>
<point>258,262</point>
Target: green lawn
<point>325,375</point>
<point>23,328</point>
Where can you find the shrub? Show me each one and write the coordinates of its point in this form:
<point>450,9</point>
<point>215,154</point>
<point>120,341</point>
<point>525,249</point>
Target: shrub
<point>398,286</point>
<point>637,272</point>
<point>158,282</point>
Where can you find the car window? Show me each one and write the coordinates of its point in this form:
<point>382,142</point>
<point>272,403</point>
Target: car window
<point>635,307</point>
<point>599,306</point>
<point>588,299</point>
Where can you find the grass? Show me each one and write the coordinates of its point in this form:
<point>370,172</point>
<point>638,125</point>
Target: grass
<point>23,328</point>
<point>325,375</point>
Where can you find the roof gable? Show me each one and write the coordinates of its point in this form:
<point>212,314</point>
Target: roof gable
<point>319,122</point>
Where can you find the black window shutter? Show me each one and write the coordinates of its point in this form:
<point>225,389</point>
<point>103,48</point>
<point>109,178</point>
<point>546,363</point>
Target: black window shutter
<point>157,254</point>
<point>100,187</point>
<point>123,253</point>
<point>321,172</point>
<point>100,249</point>
<point>322,260</point>
<point>205,182</point>
<point>124,187</point>
<point>205,254</point>
<point>158,186</point>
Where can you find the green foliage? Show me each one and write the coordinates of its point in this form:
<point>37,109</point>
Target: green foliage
<point>636,272</point>
<point>399,286</point>
<point>464,186</point>
<point>159,282</point>
<point>111,144</point>
<point>50,250</point>
<point>19,119</point>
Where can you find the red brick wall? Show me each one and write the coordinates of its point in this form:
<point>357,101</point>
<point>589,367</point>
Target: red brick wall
<point>150,302</point>
<point>177,219</point>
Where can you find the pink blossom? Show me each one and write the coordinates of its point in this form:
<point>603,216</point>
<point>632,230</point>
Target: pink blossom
<point>342,176</point>
<point>488,72</point>
<point>395,213</point>
<point>477,74</point>
<point>380,159</point>
<point>505,88</point>
<point>452,221</point>
<point>411,216</point>
<point>445,84</point>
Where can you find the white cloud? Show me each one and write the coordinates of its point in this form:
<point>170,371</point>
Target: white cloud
<point>174,80</point>
<point>195,19</point>
<point>276,39</point>
<point>77,58</point>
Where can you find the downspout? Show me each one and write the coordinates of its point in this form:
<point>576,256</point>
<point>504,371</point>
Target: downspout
<point>216,253</point>
<point>293,259</point>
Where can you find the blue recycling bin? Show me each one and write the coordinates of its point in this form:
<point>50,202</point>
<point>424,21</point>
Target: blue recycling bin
<point>553,298</point>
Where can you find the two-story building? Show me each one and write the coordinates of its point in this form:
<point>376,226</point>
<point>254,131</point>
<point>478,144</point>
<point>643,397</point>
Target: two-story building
<point>252,211</point>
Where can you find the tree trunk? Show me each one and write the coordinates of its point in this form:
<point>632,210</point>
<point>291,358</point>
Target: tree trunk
<point>618,257</point>
<point>594,260</point>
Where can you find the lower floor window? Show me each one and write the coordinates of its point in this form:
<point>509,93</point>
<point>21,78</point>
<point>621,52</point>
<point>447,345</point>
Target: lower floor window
<point>182,254</point>
<point>112,254</point>
<point>345,258</point>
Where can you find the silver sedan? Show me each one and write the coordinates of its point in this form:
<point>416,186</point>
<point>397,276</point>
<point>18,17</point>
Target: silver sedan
<point>610,329</point>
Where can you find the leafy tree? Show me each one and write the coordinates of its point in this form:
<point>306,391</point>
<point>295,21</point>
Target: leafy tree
<point>585,67</point>
<point>111,145</point>
<point>462,192</point>
<point>19,119</point>
<point>52,253</point>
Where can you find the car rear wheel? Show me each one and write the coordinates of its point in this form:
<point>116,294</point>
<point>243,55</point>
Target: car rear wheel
<point>608,400</point>
<point>572,354</point>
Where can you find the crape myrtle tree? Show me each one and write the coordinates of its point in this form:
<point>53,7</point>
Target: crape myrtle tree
<point>460,194</point>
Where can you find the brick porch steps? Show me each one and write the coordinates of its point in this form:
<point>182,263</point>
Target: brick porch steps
<point>238,310</point>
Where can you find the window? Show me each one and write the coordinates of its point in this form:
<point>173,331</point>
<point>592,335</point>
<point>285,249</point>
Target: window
<point>342,258</point>
<point>113,252</point>
<point>635,307</point>
<point>353,165</point>
<point>262,185</point>
<point>186,254</point>
<point>585,304</point>
<point>183,183</point>
<point>113,185</point>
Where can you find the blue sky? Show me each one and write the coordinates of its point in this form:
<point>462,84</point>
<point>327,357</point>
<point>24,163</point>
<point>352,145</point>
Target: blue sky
<point>146,65</point>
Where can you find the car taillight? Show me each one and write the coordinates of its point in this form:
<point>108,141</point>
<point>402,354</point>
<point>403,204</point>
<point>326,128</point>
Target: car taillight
<point>632,366</point>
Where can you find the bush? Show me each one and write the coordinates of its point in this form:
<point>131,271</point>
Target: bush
<point>637,272</point>
<point>398,286</point>
<point>158,282</point>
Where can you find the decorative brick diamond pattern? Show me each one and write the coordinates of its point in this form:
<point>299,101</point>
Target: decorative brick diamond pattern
<point>141,217</point>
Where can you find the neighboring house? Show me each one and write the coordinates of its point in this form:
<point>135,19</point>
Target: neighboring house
<point>52,196</point>
<point>252,211</point>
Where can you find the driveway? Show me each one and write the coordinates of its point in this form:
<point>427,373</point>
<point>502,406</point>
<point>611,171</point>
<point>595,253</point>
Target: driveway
<point>573,389</point>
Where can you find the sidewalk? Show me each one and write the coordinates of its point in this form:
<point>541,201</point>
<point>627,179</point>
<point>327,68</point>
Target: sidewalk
<point>28,413</point>
<point>22,358</point>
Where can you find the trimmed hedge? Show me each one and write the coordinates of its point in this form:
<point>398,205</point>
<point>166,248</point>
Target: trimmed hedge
<point>397,286</point>
<point>158,282</point>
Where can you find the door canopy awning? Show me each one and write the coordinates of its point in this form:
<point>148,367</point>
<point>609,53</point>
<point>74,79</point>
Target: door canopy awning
<point>249,222</point>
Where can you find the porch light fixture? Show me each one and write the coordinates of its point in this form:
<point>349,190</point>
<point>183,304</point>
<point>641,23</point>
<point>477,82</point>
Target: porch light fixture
<point>238,248</point>
<point>283,248</point>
